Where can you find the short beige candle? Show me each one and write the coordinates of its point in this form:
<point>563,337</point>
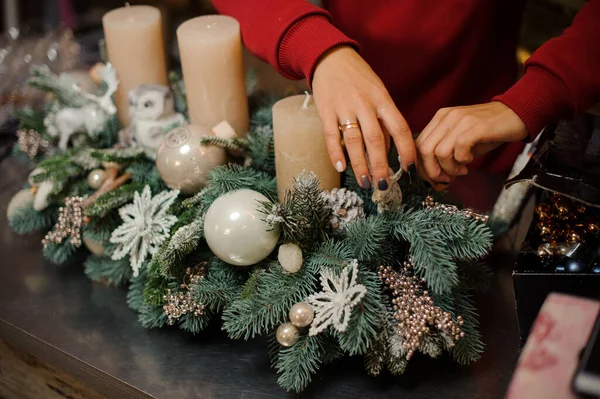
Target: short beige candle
<point>213,72</point>
<point>300,144</point>
<point>134,43</point>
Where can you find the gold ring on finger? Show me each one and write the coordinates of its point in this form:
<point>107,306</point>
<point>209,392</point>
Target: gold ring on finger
<point>348,125</point>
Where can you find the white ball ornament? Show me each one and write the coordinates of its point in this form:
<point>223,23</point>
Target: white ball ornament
<point>96,177</point>
<point>301,314</point>
<point>235,230</point>
<point>20,200</point>
<point>290,257</point>
<point>287,334</point>
<point>41,199</point>
<point>183,163</point>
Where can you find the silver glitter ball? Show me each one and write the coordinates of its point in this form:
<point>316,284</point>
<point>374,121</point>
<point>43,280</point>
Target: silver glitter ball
<point>301,314</point>
<point>183,163</point>
<point>96,178</point>
<point>287,334</point>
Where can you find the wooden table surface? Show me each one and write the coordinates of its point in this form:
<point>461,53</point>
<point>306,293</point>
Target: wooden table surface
<point>86,330</point>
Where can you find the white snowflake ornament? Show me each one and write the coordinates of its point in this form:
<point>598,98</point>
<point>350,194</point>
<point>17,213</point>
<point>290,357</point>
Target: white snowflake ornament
<point>145,227</point>
<point>334,304</point>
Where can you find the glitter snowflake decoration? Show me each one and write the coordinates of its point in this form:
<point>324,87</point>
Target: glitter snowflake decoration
<point>145,227</point>
<point>334,304</point>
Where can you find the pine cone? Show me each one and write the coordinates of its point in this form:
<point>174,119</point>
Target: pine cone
<point>346,206</point>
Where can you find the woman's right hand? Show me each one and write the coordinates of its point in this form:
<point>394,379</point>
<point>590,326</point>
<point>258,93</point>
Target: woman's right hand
<point>346,89</point>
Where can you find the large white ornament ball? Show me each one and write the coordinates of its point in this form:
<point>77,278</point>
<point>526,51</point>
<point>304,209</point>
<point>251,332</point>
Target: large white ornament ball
<point>235,230</point>
<point>96,178</point>
<point>94,247</point>
<point>18,201</point>
<point>42,195</point>
<point>287,334</point>
<point>301,314</point>
<point>290,257</point>
<point>183,163</point>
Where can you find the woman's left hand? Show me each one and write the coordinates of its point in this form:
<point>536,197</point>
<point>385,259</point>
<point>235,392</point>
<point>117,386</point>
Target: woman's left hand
<point>455,136</point>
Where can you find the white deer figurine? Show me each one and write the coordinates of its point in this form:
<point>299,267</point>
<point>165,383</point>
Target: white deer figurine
<point>88,119</point>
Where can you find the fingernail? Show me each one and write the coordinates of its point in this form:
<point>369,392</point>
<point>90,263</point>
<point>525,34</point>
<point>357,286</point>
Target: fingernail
<point>339,166</point>
<point>443,183</point>
<point>427,184</point>
<point>412,170</point>
<point>365,182</point>
<point>382,185</point>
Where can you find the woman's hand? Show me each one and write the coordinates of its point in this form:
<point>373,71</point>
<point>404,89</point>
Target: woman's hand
<point>455,136</point>
<point>347,90</point>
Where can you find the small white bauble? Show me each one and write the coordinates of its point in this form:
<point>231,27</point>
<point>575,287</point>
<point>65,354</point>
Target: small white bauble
<point>235,230</point>
<point>96,178</point>
<point>287,334</point>
<point>94,247</point>
<point>41,198</point>
<point>183,163</point>
<point>301,314</point>
<point>290,257</point>
<point>18,201</point>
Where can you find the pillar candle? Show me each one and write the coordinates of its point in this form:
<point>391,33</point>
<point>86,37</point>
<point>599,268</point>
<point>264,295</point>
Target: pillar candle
<point>300,144</point>
<point>134,43</point>
<point>213,72</point>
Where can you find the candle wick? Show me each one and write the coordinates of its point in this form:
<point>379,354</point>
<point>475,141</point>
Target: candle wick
<point>306,100</point>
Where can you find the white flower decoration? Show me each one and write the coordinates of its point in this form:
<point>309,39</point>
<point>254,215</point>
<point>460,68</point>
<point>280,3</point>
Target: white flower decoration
<point>146,225</point>
<point>334,304</point>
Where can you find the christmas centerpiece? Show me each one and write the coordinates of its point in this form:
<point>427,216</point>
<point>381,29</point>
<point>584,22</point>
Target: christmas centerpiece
<point>201,220</point>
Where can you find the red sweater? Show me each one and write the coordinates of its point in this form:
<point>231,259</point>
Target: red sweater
<point>432,54</point>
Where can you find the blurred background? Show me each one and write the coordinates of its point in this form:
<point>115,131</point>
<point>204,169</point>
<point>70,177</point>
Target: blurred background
<point>65,35</point>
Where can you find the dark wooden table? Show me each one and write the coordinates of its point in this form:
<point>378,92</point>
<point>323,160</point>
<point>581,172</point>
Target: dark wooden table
<point>86,330</point>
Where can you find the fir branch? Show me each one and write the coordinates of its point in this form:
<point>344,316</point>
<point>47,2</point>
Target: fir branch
<point>370,241</point>
<point>152,316</point>
<point>298,363</point>
<point>146,173</point>
<point>469,348</point>
<point>428,247</point>
<point>331,254</point>
<point>59,254</point>
<point>59,169</point>
<point>351,184</point>
<point>118,155</point>
<point>113,200</point>
<point>193,324</point>
<point>276,292</point>
<point>366,316</point>
<point>156,288</point>
<point>304,214</point>
<point>84,160</point>
<point>135,294</point>
<point>62,87</point>
<point>227,178</point>
<point>175,249</point>
<point>29,118</point>
<point>102,268</point>
<point>219,287</point>
<point>261,149</point>
<point>235,144</point>
<point>26,220</point>
<point>99,229</point>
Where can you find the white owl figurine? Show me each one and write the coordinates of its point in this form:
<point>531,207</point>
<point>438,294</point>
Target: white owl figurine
<point>152,114</point>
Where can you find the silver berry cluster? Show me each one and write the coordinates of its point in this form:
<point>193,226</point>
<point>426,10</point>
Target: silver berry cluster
<point>415,311</point>
<point>70,220</point>
<point>179,303</point>
<point>429,203</point>
<point>346,206</point>
<point>31,142</point>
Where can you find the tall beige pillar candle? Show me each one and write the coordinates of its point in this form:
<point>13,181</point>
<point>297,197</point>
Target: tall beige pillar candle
<point>300,144</point>
<point>213,72</point>
<point>134,43</point>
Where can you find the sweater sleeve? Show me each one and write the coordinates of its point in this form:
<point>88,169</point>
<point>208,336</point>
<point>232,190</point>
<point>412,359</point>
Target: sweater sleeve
<point>291,35</point>
<point>562,78</point>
